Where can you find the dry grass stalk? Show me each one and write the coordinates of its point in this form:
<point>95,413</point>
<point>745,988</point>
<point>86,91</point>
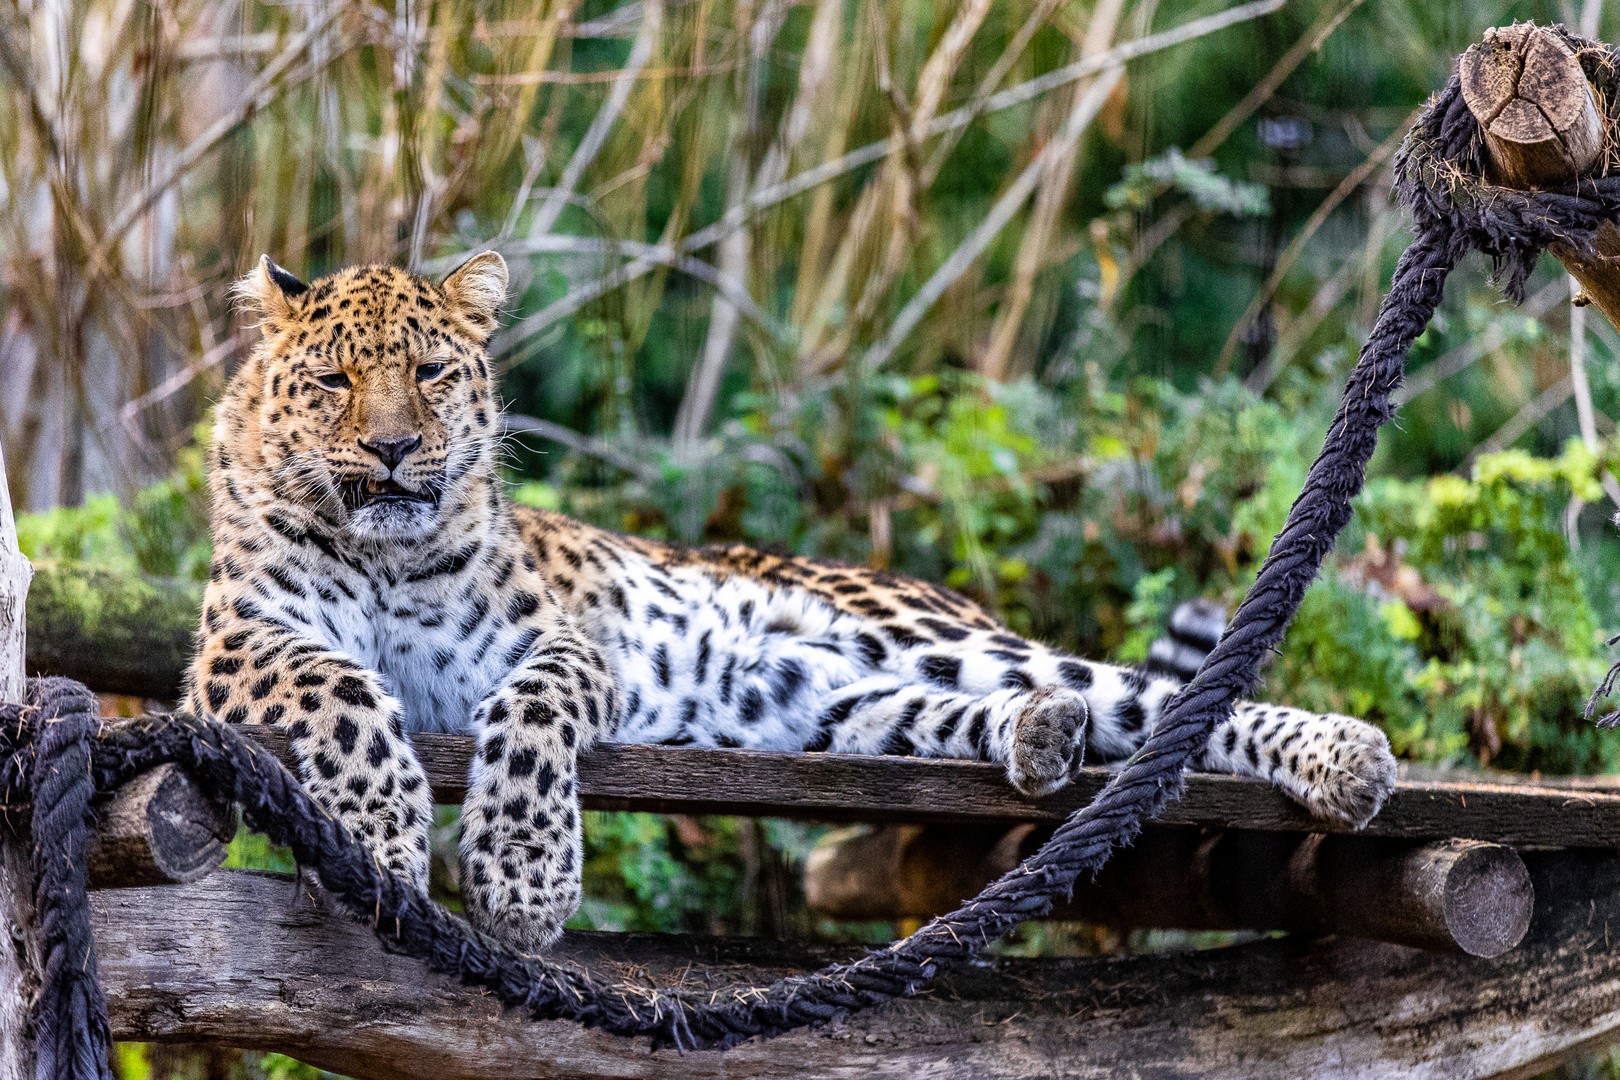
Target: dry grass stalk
<point>149,154</point>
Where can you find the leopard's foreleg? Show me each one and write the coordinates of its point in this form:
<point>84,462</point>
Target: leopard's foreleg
<point>1338,767</point>
<point>346,731</point>
<point>520,826</point>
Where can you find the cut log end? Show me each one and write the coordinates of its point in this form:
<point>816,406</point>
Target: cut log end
<point>1540,119</point>
<point>1488,898</point>
<point>159,829</point>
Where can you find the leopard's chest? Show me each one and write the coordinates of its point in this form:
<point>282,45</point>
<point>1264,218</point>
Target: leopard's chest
<point>440,666</point>
<point>439,657</point>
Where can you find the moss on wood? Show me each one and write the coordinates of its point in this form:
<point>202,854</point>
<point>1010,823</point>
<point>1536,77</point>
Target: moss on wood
<point>117,633</point>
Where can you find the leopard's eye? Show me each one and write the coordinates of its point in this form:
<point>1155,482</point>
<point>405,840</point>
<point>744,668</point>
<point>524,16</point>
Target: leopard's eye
<point>333,380</point>
<point>429,371</point>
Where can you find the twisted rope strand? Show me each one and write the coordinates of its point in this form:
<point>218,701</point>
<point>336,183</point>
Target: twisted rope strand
<point>60,754</point>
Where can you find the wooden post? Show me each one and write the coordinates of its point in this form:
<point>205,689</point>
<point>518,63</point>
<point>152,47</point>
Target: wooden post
<point>19,978</point>
<point>1543,129</point>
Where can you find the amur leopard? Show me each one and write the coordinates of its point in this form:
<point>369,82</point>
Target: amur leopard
<point>371,579</point>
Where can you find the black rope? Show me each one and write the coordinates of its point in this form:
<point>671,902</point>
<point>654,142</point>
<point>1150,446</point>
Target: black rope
<point>49,775</point>
<point>1454,212</point>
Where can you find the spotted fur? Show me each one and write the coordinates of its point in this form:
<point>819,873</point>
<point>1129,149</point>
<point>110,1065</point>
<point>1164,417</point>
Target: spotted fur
<point>370,579</point>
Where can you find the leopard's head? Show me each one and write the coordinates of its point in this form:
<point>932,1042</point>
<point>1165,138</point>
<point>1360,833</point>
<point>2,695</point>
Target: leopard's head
<point>370,398</point>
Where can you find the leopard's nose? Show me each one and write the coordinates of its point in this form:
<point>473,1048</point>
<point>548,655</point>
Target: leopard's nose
<point>391,451</point>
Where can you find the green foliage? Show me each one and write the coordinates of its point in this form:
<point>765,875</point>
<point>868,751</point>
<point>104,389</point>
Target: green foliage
<point>637,883</point>
<point>147,1061</point>
<point>1350,652</point>
<point>713,875</point>
<point>1146,180</point>
<point>249,850</point>
<point>1495,662</point>
<point>1513,654</point>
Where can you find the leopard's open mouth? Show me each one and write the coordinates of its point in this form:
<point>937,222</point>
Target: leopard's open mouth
<point>365,491</point>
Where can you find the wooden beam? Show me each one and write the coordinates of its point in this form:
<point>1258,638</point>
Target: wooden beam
<point>159,829</point>
<point>245,959</point>
<point>1543,128</point>
<point>1463,896</point>
<point>865,787</point>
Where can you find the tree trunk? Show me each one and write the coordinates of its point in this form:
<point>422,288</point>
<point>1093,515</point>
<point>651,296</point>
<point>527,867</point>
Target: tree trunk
<point>19,977</point>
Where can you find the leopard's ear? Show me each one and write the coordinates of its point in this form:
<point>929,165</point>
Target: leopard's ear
<point>477,288</point>
<point>270,292</point>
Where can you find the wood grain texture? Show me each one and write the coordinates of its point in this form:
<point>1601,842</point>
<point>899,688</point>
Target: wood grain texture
<point>246,960</point>
<point>860,787</point>
<point>1540,119</point>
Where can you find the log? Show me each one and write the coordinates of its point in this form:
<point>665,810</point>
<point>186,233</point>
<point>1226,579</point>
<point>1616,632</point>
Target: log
<point>19,970</point>
<point>1543,128</point>
<point>116,633</point>
<point>1462,896</point>
<point>245,959</point>
<point>1540,119</point>
<point>159,829</point>
<point>869,787</point>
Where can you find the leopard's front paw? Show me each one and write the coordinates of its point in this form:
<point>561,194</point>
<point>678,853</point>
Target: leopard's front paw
<point>1348,775</point>
<point>517,885</point>
<point>393,827</point>
<point>1048,741</point>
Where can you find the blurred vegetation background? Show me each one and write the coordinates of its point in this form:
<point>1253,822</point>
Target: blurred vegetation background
<point>1047,299</point>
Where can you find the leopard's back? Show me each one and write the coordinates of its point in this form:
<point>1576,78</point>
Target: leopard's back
<point>726,645</point>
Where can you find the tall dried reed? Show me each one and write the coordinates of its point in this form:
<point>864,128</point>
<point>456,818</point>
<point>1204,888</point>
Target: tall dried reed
<point>769,168</point>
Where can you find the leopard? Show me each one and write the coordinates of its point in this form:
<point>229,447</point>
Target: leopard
<point>372,578</point>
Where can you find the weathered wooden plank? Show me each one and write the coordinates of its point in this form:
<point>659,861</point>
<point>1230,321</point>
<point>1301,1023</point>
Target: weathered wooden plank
<point>859,787</point>
<point>245,959</point>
